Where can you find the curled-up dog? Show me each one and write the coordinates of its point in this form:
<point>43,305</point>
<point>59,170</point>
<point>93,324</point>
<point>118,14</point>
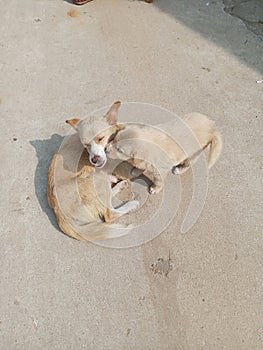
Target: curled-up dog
<point>80,185</point>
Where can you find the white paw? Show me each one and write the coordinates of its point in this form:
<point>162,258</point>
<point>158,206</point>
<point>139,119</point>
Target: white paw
<point>175,170</point>
<point>152,190</point>
<point>180,169</point>
<point>113,179</point>
<point>155,189</point>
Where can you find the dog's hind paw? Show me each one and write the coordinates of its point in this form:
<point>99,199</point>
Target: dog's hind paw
<point>181,168</point>
<point>175,170</point>
<point>152,190</point>
<point>155,189</point>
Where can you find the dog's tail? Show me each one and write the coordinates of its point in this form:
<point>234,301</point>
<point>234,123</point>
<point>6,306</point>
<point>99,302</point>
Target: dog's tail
<point>88,231</point>
<point>216,146</point>
<point>101,231</point>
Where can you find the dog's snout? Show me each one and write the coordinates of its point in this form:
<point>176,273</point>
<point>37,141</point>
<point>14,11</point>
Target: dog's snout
<point>95,159</point>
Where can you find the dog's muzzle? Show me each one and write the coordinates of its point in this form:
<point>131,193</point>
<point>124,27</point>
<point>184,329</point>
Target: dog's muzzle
<point>98,161</point>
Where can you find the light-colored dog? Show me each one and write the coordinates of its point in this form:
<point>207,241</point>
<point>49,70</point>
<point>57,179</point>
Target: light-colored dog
<point>138,143</point>
<point>79,191</point>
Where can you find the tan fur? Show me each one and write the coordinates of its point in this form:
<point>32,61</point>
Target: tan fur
<point>84,213</point>
<point>64,225</point>
<point>81,211</point>
<point>112,114</point>
<point>181,142</point>
<point>81,197</point>
<point>196,133</point>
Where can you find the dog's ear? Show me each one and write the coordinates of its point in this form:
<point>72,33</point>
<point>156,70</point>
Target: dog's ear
<point>112,114</point>
<point>73,122</point>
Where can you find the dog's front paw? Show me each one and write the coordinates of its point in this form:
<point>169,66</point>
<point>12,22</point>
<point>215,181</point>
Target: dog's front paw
<point>113,178</point>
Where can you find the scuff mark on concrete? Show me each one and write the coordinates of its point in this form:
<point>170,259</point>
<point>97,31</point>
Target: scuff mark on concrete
<point>162,267</point>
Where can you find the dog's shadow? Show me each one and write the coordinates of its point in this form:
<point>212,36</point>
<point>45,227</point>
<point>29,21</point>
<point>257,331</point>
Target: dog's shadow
<point>45,150</point>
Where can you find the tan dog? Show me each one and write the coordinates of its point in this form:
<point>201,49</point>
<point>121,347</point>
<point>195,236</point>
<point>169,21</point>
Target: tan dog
<point>79,192</point>
<point>138,144</point>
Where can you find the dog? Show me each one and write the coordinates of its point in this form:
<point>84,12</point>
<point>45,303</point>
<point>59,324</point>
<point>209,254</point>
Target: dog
<point>194,134</point>
<point>80,189</point>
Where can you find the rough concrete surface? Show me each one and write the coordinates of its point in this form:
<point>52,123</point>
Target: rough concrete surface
<point>249,11</point>
<point>58,293</point>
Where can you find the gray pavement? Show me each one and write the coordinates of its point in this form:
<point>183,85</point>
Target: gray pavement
<point>57,293</point>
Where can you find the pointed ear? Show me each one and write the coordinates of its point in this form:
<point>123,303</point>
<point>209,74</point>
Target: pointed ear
<point>112,114</point>
<point>73,123</point>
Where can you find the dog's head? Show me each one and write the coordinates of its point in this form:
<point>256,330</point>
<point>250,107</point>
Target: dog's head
<point>96,133</point>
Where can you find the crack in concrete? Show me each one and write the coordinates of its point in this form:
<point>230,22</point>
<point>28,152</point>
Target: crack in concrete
<point>249,11</point>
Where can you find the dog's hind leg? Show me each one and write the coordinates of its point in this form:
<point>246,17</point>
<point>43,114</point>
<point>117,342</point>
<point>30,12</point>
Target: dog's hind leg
<point>181,168</point>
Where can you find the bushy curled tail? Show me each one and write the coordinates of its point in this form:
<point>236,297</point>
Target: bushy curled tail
<point>100,231</point>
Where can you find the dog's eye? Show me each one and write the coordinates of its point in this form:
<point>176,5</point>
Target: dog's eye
<point>100,138</point>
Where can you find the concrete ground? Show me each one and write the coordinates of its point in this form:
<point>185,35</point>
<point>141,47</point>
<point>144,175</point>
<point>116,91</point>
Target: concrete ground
<point>58,293</point>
